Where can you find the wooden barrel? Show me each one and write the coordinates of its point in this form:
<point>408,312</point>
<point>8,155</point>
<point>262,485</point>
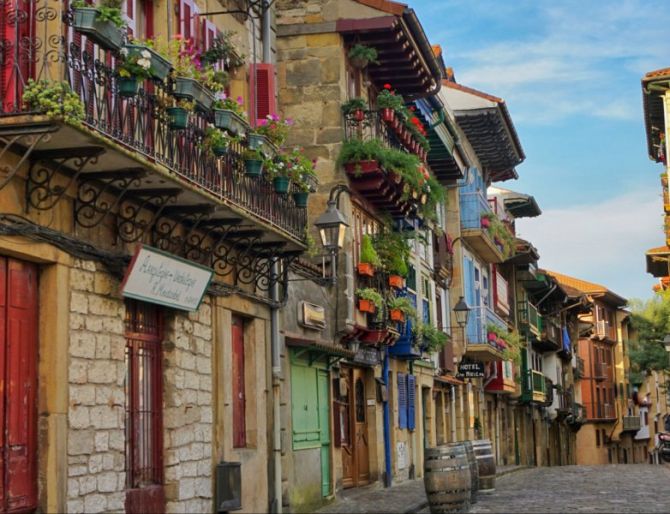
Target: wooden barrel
<point>486,464</point>
<point>447,479</point>
<point>474,470</point>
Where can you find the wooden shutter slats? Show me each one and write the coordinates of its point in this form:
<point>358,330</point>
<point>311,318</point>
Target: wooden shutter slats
<point>411,402</point>
<point>402,401</point>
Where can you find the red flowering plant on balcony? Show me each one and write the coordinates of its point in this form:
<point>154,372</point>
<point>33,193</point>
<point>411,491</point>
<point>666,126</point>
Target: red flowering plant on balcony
<point>275,128</point>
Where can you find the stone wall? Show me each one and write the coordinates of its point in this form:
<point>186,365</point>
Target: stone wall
<point>187,418</point>
<point>96,440</point>
<point>96,416</point>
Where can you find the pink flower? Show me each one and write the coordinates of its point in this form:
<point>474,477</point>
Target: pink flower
<point>240,100</point>
<point>264,123</point>
<point>289,121</point>
<point>275,117</point>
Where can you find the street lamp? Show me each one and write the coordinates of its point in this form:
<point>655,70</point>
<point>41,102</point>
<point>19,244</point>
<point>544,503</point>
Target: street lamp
<point>462,311</point>
<point>332,226</point>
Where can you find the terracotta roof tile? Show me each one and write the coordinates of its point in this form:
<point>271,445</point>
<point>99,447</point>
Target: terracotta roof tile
<point>395,8</point>
<point>466,89</point>
<point>583,285</point>
<point>660,250</point>
<point>663,72</point>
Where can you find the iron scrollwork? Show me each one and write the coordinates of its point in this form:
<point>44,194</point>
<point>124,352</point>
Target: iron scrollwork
<point>139,212</point>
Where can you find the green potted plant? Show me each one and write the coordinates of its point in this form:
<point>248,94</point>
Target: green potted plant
<point>388,103</point>
<point>274,129</point>
<point>369,300</point>
<point>188,74</point>
<point>131,69</point>
<point>55,99</point>
<point>394,253</point>
<point>179,113</point>
<point>302,175</point>
<point>401,309</point>
<point>253,162</point>
<point>429,338</point>
<point>355,108</point>
<point>360,157</point>
<point>160,64</point>
<point>223,50</point>
<point>229,114</point>
<point>102,23</point>
<point>217,141</point>
<point>278,172</point>
<point>368,259</point>
<point>360,56</point>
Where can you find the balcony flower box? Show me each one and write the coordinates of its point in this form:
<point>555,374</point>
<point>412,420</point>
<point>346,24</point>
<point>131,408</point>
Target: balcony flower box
<point>178,117</point>
<point>366,306</point>
<point>103,33</point>
<point>160,67</point>
<point>397,315</point>
<point>361,167</point>
<point>262,143</point>
<point>230,121</point>
<point>281,184</point>
<point>396,281</point>
<point>253,167</point>
<point>191,89</point>
<point>128,86</point>
<point>365,269</point>
<point>300,198</point>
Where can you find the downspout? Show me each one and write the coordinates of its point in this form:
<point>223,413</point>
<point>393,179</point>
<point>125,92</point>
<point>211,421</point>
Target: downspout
<point>266,38</point>
<point>276,391</point>
<point>387,422</point>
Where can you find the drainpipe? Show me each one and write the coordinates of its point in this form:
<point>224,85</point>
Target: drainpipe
<point>453,414</point>
<point>276,391</point>
<point>387,422</point>
<point>267,32</point>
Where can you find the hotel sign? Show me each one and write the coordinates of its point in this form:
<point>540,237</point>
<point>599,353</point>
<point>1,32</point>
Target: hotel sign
<point>158,277</point>
<point>471,370</point>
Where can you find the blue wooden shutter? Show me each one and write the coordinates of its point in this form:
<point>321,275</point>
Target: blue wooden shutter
<point>402,401</point>
<point>411,401</point>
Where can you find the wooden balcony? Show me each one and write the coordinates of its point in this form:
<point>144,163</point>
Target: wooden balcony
<point>504,382</point>
<point>473,206</point>
<point>529,319</point>
<point>533,387</point>
<point>599,371</point>
<point>478,346</point>
<point>550,338</point>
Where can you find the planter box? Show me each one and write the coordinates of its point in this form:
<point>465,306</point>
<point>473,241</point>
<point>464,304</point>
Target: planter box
<point>160,67</point>
<point>178,118</point>
<point>103,33</point>
<point>396,281</point>
<point>397,315</point>
<point>300,198</point>
<point>262,143</point>
<point>191,89</point>
<point>361,167</point>
<point>253,167</point>
<point>230,121</point>
<point>366,269</point>
<point>366,306</point>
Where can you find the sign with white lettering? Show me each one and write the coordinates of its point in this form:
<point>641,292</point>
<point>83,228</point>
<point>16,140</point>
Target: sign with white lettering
<point>470,370</point>
<point>158,277</point>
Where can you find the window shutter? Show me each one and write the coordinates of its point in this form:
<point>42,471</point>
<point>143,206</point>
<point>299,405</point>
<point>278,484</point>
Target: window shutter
<point>402,401</point>
<point>239,397</point>
<point>263,94</point>
<point>411,401</point>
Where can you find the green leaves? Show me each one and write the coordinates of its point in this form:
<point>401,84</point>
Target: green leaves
<point>55,99</point>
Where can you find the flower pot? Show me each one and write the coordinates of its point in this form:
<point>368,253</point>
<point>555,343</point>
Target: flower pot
<point>300,198</point>
<point>103,33</point>
<point>128,86</point>
<point>229,121</point>
<point>281,184</point>
<point>388,114</point>
<point>366,269</point>
<point>219,151</point>
<point>397,315</point>
<point>178,117</point>
<point>160,67</point>
<point>253,167</point>
<point>262,143</point>
<point>396,281</point>
<point>485,222</point>
<point>358,115</point>
<point>191,89</point>
<point>361,167</point>
<point>366,306</point>
<point>359,62</point>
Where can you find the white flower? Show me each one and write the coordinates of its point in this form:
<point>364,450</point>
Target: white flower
<point>124,52</point>
<point>146,54</point>
<point>144,63</point>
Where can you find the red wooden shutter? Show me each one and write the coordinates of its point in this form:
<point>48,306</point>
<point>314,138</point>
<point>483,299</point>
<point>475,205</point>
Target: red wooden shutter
<point>3,367</point>
<point>239,399</point>
<point>17,26</point>
<point>19,384</point>
<point>263,94</point>
<point>148,12</point>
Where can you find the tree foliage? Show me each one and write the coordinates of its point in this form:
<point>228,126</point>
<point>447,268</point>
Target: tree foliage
<point>651,323</point>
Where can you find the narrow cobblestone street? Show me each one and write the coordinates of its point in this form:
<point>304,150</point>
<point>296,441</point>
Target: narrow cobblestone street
<point>599,489</point>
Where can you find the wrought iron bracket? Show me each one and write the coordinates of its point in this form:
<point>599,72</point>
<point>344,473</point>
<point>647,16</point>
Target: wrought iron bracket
<point>132,221</point>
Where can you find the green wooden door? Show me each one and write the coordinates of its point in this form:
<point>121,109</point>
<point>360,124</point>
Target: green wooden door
<point>324,429</point>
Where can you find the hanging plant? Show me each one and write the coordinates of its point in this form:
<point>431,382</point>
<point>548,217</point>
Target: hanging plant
<point>401,309</point>
<point>369,259</point>
<point>369,300</point>
<point>360,56</point>
<point>355,108</point>
<point>223,50</point>
<point>275,129</point>
<point>429,338</point>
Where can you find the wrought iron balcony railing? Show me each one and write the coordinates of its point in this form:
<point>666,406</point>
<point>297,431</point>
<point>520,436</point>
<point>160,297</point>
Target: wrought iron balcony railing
<point>631,423</point>
<point>37,43</point>
<point>529,318</point>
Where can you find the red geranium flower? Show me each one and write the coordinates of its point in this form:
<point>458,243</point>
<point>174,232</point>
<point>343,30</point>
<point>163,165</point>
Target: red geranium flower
<point>387,86</point>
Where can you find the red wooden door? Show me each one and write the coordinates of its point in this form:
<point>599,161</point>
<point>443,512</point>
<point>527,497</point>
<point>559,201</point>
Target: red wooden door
<point>239,395</point>
<point>18,386</point>
<point>144,409</point>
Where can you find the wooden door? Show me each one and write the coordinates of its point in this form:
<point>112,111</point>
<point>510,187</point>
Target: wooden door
<point>18,386</point>
<point>324,429</point>
<point>239,396</point>
<point>347,439</point>
<point>361,429</point>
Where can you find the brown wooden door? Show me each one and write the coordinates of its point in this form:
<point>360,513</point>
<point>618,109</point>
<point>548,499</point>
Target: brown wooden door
<point>18,386</point>
<point>239,396</point>
<point>144,409</point>
<point>355,452</point>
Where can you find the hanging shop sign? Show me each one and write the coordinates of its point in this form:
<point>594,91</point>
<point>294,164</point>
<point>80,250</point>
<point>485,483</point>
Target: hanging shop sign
<point>159,277</point>
<point>471,370</point>
<point>367,356</point>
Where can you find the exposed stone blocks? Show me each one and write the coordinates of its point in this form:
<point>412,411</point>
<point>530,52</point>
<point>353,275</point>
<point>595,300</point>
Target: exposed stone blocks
<point>96,440</point>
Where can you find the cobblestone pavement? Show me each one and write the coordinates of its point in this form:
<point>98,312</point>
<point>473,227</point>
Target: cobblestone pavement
<point>617,488</point>
<point>590,489</point>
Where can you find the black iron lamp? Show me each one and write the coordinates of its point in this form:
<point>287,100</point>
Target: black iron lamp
<point>332,226</point>
<point>462,311</point>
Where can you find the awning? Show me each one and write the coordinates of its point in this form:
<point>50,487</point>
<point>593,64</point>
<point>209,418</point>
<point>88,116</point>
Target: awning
<point>316,350</point>
<point>448,379</point>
